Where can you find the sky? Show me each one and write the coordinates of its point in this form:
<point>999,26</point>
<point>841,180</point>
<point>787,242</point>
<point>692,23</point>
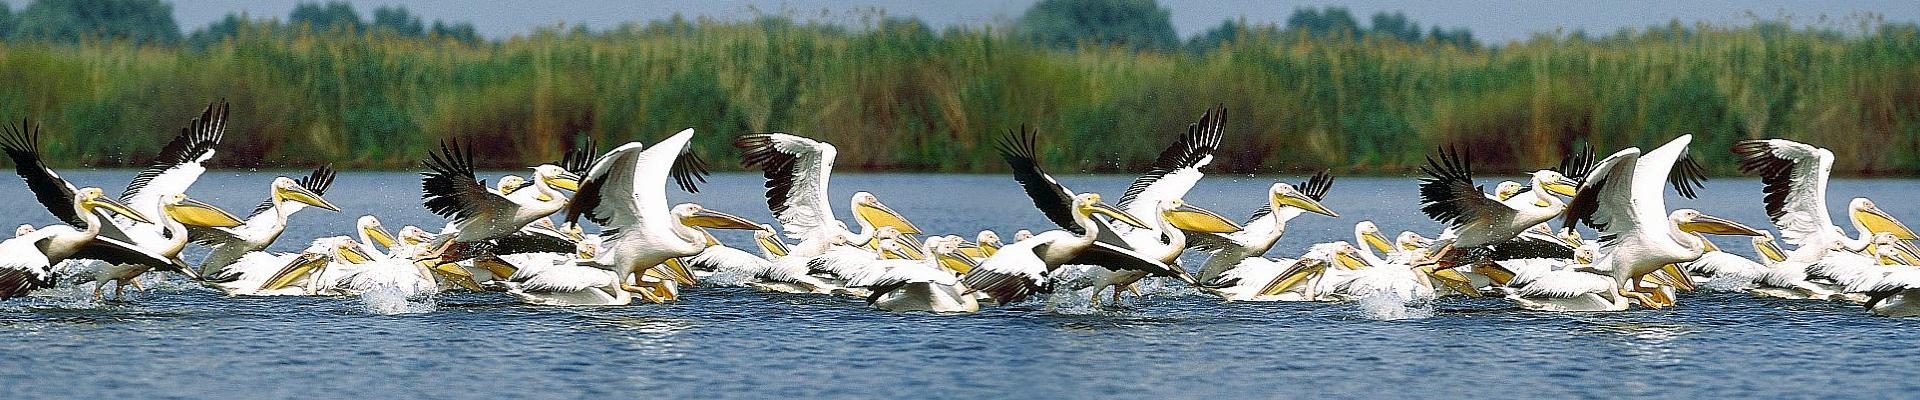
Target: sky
<point>1490,20</point>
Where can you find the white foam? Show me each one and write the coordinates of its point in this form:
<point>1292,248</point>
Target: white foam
<point>1389,306</point>
<point>388,300</point>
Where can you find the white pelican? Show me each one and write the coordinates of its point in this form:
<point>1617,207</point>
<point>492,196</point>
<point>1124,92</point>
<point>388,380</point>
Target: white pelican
<point>1022,234</point>
<point>158,191</point>
<point>1016,276</point>
<point>985,243</point>
<point>1284,203</point>
<point>1449,196</point>
<point>913,285</point>
<point>1625,199</point>
<point>871,214</point>
<point>1895,292</point>
<point>305,273</point>
<point>392,269</point>
<point>1302,279</point>
<point>625,193</point>
<point>1155,198</point>
<point>479,214</point>
<point>1794,176</point>
<point>1566,285</point>
<point>285,196</point>
<point>26,261</point>
<point>175,212</point>
<point>110,244</point>
<point>1721,270</point>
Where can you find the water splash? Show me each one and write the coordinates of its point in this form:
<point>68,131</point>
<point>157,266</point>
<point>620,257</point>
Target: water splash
<point>1389,306</point>
<point>390,300</point>
<point>1730,283</point>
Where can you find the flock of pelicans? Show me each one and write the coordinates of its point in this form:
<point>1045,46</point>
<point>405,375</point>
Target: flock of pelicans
<point>503,238</point>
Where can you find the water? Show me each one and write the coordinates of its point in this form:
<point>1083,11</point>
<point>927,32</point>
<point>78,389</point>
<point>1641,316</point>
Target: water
<point>183,342</point>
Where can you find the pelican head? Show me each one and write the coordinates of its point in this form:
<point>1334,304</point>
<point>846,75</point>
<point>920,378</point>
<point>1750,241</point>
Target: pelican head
<point>1368,233</point>
<point>1347,256</point>
<point>285,188</point>
<point>868,208</point>
<point>510,183</point>
<point>349,251</point>
<point>1283,194</point>
<point>93,198</point>
<point>1554,182</point>
<point>1572,237</point>
<point>1691,220</point>
<point>1765,245</point>
<point>694,215</point>
<point>557,177</point>
<point>370,227</point>
<point>1089,204</point>
<point>412,235</point>
<point>987,239</point>
<point>1506,190</point>
<point>1022,234</point>
<point>1188,217</point>
<point>1584,255</point>
<point>193,212</point>
<point>1410,241</point>
<point>1870,218</point>
<point>23,230</point>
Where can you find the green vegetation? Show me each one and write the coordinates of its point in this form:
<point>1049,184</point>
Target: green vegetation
<point>896,95</point>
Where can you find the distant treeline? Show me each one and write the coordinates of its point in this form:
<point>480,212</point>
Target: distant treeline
<point>898,95</point>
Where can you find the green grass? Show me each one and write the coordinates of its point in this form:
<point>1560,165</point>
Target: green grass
<point>906,99</point>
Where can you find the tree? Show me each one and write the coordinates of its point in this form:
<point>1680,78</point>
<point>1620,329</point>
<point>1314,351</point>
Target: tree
<point>217,31</point>
<point>1229,31</point>
<point>1319,23</point>
<point>462,32</point>
<point>1135,24</point>
<point>69,21</point>
<point>1459,37</point>
<point>333,15</point>
<point>6,20</point>
<point>1394,25</point>
<point>398,20</point>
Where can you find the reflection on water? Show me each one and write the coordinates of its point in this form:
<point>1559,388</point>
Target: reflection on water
<point>181,341</point>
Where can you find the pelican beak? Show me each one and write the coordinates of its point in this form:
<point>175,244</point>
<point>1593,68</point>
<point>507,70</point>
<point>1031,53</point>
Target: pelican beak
<point>960,264</point>
<point>1110,211</point>
<point>718,220</point>
<point>1188,217</point>
<point>913,248</point>
<point>1709,224</point>
<point>1378,241</point>
<point>1910,255</point>
<point>380,235</point>
<point>1494,272</point>
<point>1678,278</point>
<point>1879,221</point>
<point>195,213</point>
<point>880,215</point>
<point>1772,251</point>
<point>566,180</point>
<point>303,195</point>
<point>293,271</point>
<point>1452,279</point>
<point>1564,187</point>
<point>1304,203</point>
<point>711,241</point>
<point>1294,276</point>
<point>354,255</point>
<point>1350,261</point>
<point>677,271</point>
<point>772,245</point>
<point>118,208</point>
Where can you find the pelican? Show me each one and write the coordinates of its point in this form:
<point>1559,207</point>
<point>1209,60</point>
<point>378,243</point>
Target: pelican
<point>176,211</point>
<point>556,279</point>
<point>1721,270</point>
<point>392,269</point>
<point>985,243</point>
<point>798,170</point>
<point>1566,285</point>
<point>1284,203</point>
<point>1869,218</point>
<point>1895,292</point>
<point>1301,279</point>
<point>1155,197</point>
<point>871,214</point>
<point>478,214</point>
<point>1449,196</point>
<point>285,196</point>
<point>304,273</point>
<point>1625,199</point>
<point>916,285</point>
<point>625,193</point>
<point>109,243</point>
<point>1794,176</point>
<point>26,261</point>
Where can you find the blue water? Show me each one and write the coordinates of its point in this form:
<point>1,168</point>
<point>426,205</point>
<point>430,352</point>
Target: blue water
<point>180,341</point>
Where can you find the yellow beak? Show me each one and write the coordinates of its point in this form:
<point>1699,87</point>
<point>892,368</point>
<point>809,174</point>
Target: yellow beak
<point>354,255</point>
<point>118,208</point>
<point>1772,251</point>
<point>677,271</point>
<point>718,220</point>
<point>1878,221</point>
<point>567,181</point>
<point>308,197</point>
<point>879,215</point>
<point>1709,224</point>
<point>1378,241</point>
<point>1188,217</point>
<point>1295,275</point>
<point>1564,187</point>
<point>380,236</point>
<point>293,271</point>
<point>1110,211</point>
<point>195,213</point>
<point>1304,203</point>
<point>957,263</point>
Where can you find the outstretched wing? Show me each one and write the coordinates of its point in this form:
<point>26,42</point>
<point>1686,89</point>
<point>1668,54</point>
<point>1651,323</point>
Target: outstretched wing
<point>1794,176</point>
<point>579,160</point>
<point>179,163</point>
<point>1177,169</point>
<point>797,170</point>
<point>317,181</point>
<point>450,190</point>
<point>1448,195</point>
<point>22,144</point>
<point>1605,200</point>
<point>1315,187</point>
<point>629,184</point>
<point>1053,199</point>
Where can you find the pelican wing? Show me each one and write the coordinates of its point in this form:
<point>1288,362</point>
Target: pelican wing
<point>580,160</point>
<point>1605,200</point>
<point>1448,195</point>
<point>1794,176</point>
<point>562,276</point>
<point>1177,169</point>
<point>1053,199</point>
<point>532,242</point>
<point>1260,222</point>
<point>1014,272</point>
<point>24,267</point>
<point>116,251</point>
<point>451,191</point>
<point>1120,258</point>
<point>619,192</point>
<point>891,273</point>
<point>22,144</point>
<point>179,164</point>
<point>1566,283</point>
<point>797,170</point>
<point>1530,246</point>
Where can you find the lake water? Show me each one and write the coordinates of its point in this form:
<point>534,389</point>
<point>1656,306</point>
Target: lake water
<point>181,341</point>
